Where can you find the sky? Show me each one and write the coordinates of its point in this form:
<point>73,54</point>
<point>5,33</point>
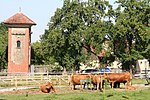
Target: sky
<point>40,11</point>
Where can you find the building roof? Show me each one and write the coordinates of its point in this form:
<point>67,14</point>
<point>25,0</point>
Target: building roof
<point>101,53</point>
<point>19,18</point>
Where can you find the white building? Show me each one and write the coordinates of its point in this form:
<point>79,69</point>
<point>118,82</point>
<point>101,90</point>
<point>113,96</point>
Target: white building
<point>142,65</point>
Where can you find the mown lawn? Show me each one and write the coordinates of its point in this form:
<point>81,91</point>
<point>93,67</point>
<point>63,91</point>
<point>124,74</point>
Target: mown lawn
<point>139,81</point>
<point>116,94</point>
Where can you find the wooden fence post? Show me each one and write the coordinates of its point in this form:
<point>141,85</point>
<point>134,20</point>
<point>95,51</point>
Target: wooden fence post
<point>41,77</point>
<point>16,82</point>
<point>27,80</point>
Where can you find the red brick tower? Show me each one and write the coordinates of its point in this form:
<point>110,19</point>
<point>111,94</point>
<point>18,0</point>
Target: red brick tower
<point>19,43</point>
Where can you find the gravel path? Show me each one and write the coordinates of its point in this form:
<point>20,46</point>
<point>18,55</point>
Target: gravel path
<point>14,88</point>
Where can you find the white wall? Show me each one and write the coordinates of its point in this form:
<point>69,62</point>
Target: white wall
<point>142,64</point>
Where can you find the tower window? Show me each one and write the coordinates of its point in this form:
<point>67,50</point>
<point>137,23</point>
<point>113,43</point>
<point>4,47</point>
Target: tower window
<point>18,44</point>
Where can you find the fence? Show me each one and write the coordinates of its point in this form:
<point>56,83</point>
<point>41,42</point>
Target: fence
<point>32,80</point>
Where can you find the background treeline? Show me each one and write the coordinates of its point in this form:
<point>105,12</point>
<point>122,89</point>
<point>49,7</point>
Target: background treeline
<point>83,28</point>
<point>3,46</point>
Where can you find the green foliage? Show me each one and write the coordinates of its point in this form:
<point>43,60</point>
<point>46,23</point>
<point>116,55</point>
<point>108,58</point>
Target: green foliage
<point>131,38</point>
<point>3,46</point>
<point>63,40</point>
<point>75,26</point>
<point>36,54</point>
<point>80,25</point>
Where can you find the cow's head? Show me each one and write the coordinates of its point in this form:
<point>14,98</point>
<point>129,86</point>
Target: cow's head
<point>105,75</point>
<point>48,85</point>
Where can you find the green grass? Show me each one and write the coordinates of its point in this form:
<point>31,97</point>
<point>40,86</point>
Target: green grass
<point>139,81</point>
<point>90,95</point>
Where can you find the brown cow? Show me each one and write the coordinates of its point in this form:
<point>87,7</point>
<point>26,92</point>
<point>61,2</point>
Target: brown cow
<point>97,81</point>
<point>46,88</point>
<point>131,87</point>
<point>119,77</point>
<point>76,80</point>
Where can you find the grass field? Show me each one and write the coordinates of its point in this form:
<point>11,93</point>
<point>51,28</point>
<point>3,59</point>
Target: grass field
<point>83,95</point>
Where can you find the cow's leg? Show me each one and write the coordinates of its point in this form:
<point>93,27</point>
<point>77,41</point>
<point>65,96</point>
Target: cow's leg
<point>98,85</point>
<point>89,85</point>
<point>101,83</point>
<point>128,84</point>
<point>73,86</point>
<point>81,83</point>
<point>94,86</point>
<point>84,85</point>
<point>115,85</point>
<point>112,84</point>
<point>118,85</point>
<point>52,88</point>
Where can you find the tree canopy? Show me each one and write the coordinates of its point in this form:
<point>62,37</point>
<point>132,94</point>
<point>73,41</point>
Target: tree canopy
<point>74,26</point>
<point>88,24</point>
<point>132,33</point>
<point>36,54</point>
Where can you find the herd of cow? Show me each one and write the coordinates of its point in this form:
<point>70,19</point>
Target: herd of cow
<point>97,81</point>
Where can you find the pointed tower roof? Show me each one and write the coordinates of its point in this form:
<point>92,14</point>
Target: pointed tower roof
<point>19,18</point>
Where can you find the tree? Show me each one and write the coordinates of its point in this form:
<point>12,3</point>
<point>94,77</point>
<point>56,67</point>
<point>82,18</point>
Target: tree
<point>3,46</point>
<point>75,26</point>
<point>36,54</point>
<point>59,42</point>
<point>132,37</point>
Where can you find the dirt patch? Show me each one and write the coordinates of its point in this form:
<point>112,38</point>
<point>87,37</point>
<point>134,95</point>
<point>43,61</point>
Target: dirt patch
<point>59,90</point>
<point>62,90</point>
